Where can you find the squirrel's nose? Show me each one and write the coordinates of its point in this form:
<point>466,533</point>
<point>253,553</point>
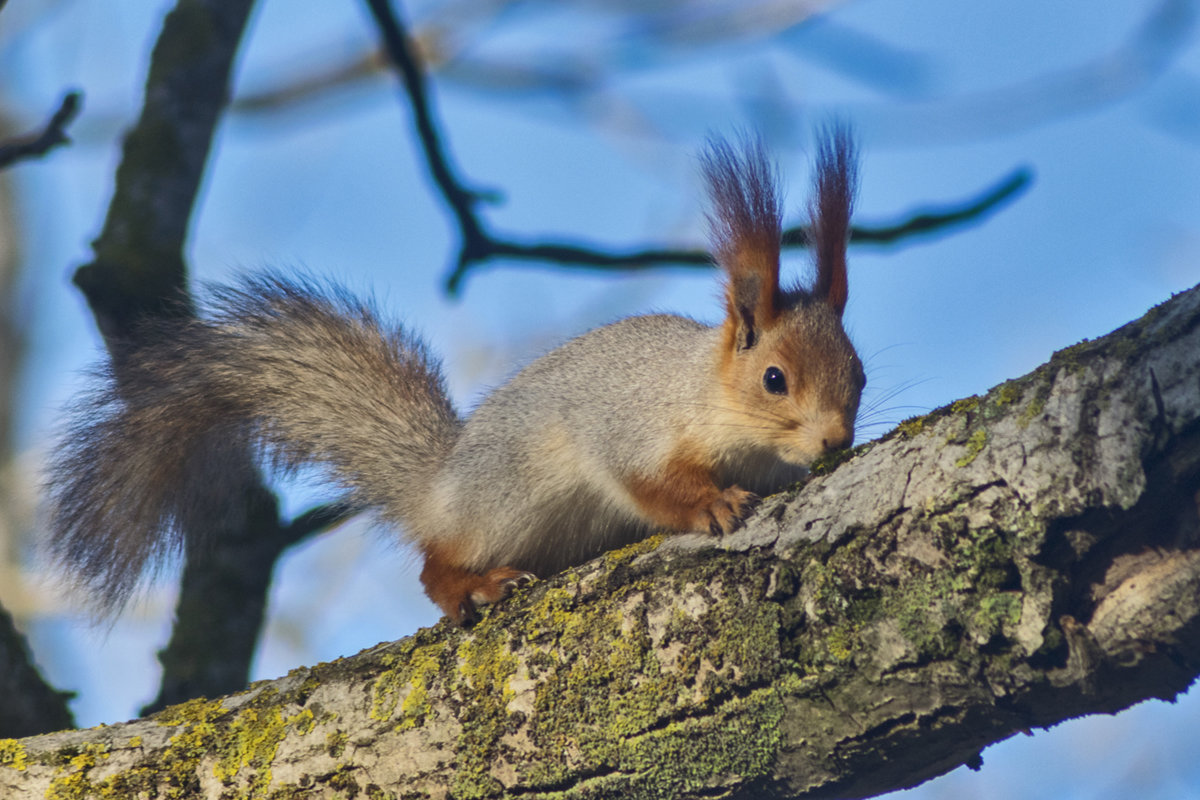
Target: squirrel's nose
<point>837,438</point>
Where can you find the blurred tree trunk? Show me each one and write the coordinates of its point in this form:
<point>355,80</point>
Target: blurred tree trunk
<point>1007,562</point>
<point>30,704</point>
<point>12,350</point>
<point>139,271</point>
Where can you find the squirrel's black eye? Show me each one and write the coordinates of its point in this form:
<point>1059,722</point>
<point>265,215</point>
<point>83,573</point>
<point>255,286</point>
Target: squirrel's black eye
<point>774,382</point>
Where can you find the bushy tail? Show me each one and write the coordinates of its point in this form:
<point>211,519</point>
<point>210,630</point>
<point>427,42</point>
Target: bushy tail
<point>304,374</point>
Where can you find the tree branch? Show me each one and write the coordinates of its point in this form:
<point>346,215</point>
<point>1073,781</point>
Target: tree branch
<point>402,54</point>
<point>940,219</point>
<point>31,705</point>
<point>1006,562</point>
<point>138,267</point>
<point>478,245</point>
<point>317,520</point>
<point>52,135</point>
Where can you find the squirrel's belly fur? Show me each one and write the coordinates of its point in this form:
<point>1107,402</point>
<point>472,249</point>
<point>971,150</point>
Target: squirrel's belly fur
<point>651,423</point>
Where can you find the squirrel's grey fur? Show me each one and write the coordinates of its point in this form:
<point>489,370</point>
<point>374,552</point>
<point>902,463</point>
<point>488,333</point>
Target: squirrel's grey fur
<point>574,455</point>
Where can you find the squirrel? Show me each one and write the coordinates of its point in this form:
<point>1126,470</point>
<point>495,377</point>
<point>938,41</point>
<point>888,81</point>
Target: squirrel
<point>653,422</point>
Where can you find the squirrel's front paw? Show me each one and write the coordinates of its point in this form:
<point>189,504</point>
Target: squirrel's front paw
<point>726,512</point>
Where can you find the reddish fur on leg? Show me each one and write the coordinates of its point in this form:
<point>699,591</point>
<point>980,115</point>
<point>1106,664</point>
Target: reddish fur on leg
<point>684,497</point>
<point>459,592</point>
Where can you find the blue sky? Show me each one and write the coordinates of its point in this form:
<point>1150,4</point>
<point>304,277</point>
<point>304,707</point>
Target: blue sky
<point>948,98</point>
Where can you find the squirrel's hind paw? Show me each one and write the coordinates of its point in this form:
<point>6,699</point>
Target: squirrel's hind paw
<point>492,587</point>
<point>497,584</point>
<point>460,593</point>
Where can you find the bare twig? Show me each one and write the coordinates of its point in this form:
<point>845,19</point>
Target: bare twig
<point>478,245</point>
<point>52,135</point>
<point>607,260</point>
<point>317,520</point>
<point>932,221</point>
<point>404,57</point>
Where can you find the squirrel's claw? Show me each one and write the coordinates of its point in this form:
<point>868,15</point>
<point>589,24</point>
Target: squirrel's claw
<point>468,613</point>
<point>499,583</point>
<point>730,509</point>
<point>461,592</point>
<point>490,587</point>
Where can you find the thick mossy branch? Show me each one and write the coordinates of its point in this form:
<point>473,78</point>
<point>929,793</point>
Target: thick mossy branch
<point>1007,562</point>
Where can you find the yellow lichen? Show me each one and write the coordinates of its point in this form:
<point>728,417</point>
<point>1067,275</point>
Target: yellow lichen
<point>552,614</point>
<point>335,743</point>
<point>253,739</point>
<point>424,663</point>
<point>975,445</point>
<point>839,644</point>
<point>965,405</point>
<point>73,781</point>
<point>1034,409</point>
<point>624,555</point>
<point>385,694</point>
<point>302,722</point>
<point>911,427</point>
<point>12,754</point>
<point>1007,394</point>
<point>486,667</point>
<point>197,710</point>
<point>240,744</point>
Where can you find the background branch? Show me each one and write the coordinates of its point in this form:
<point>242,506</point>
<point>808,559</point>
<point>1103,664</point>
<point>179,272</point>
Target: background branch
<point>52,135</point>
<point>317,520</point>
<point>30,704</point>
<point>477,245</point>
<point>487,248</point>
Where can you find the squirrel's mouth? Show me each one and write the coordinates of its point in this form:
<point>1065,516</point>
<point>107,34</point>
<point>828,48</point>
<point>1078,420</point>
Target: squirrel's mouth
<point>808,443</point>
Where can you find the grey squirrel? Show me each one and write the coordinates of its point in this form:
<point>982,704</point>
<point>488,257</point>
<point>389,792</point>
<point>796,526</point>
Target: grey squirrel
<point>653,422</point>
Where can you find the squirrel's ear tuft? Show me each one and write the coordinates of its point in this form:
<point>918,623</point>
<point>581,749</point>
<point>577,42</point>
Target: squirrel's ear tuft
<point>835,184</point>
<point>744,228</point>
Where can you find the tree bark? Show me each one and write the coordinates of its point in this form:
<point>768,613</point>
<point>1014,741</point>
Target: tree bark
<point>1006,562</point>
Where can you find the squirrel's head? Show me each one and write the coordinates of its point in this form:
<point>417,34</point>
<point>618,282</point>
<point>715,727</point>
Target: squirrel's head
<point>790,377</point>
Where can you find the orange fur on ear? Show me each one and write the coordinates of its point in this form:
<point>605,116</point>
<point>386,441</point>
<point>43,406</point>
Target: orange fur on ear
<point>833,199</point>
<point>744,227</point>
